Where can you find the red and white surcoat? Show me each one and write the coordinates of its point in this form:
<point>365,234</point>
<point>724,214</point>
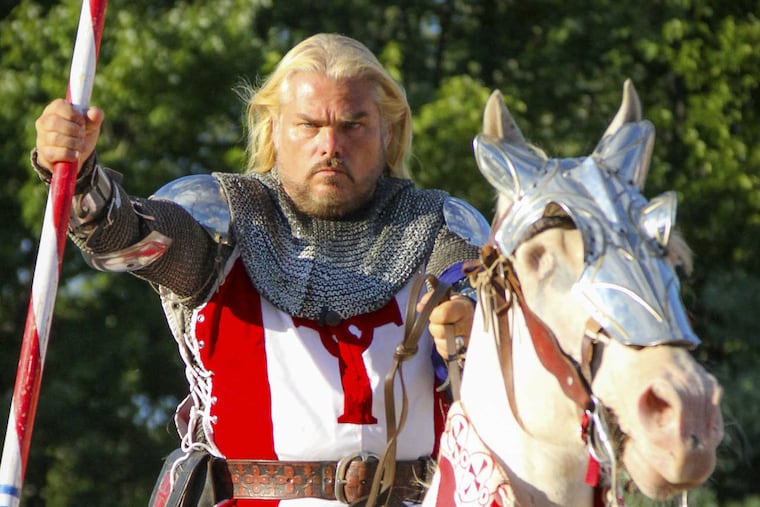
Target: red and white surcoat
<point>286,388</point>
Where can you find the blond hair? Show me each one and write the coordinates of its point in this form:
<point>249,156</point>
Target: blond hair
<point>337,57</point>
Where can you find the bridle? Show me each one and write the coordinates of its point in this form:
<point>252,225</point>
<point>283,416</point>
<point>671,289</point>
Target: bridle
<point>499,288</point>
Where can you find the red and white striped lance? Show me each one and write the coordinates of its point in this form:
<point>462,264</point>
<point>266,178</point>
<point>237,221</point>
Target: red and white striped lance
<point>48,268</point>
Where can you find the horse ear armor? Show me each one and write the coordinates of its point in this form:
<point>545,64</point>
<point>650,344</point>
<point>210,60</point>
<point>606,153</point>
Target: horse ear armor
<point>657,218</point>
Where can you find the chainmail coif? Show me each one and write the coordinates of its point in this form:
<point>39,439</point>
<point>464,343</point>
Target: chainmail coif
<point>308,266</point>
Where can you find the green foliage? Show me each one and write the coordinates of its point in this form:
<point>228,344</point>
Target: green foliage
<point>441,158</point>
<point>167,80</point>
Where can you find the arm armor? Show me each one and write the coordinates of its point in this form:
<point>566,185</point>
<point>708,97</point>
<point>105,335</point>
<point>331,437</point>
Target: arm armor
<point>195,245</point>
<point>156,239</point>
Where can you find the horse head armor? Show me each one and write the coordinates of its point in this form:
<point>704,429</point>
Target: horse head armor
<point>627,283</point>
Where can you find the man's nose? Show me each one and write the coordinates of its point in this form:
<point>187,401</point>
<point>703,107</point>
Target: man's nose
<point>328,142</point>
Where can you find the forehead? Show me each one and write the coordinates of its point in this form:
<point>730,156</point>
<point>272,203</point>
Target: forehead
<point>314,93</point>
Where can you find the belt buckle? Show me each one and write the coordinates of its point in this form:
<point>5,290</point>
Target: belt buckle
<point>342,468</point>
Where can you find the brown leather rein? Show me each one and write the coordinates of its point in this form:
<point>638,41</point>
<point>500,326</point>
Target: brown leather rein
<point>498,288</point>
<point>383,480</point>
<point>495,278</point>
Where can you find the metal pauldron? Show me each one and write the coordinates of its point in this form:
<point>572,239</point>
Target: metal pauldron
<point>465,221</point>
<point>202,196</point>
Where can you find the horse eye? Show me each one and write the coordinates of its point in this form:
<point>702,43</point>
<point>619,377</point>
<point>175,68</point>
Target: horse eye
<point>534,255</point>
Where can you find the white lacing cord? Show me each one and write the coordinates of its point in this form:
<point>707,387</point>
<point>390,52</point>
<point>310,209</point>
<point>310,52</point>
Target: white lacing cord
<point>199,380</point>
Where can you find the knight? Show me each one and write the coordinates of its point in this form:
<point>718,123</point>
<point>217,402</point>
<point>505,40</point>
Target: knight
<point>285,287</point>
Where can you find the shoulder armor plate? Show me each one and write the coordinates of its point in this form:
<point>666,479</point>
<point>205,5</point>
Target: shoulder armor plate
<point>465,221</point>
<point>202,196</point>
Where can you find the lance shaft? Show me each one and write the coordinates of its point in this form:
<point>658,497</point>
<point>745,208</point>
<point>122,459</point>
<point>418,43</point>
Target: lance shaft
<point>48,267</point>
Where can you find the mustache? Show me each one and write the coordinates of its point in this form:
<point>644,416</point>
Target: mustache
<point>335,163</point>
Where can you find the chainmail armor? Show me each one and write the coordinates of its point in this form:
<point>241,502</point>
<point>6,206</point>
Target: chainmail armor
<point>301,264</point>
<point>449,249</point>
<point>307,266</point>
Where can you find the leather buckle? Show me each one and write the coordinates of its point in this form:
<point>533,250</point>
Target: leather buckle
<point>341,469</point>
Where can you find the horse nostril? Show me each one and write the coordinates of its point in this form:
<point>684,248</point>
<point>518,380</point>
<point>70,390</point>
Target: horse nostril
<point>655,409</point>
<point>694,441</point>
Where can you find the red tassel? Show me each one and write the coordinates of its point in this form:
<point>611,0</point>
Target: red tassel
<point>592,472</point>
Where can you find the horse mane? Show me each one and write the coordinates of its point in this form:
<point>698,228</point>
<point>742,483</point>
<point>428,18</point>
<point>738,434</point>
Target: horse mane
<point>678,253</point>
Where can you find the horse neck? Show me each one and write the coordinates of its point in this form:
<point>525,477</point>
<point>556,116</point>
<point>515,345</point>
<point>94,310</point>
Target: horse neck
<point>541,452</point>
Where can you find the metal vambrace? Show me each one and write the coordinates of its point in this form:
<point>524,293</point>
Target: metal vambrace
<point>96,199</point>
<point>93,192</point>
<point>92,196</point>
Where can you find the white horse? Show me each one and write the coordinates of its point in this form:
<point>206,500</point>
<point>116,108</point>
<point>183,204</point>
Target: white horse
<point>578,380</point>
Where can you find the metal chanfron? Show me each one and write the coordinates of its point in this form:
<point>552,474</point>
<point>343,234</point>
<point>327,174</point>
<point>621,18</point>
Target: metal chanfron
<point>627,283</point>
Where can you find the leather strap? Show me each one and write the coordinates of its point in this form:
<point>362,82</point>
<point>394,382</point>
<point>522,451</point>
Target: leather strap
<point>452,363</point>
<point>507,287</point>
<point>383,479</point>
<point>347,480</point>
<point>496,297</point>
<point>552,357</point>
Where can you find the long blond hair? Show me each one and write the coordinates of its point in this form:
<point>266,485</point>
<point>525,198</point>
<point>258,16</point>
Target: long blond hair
<point>337,57</point>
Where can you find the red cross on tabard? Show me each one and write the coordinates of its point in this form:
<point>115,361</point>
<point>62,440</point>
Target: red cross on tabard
<point>347,341</point>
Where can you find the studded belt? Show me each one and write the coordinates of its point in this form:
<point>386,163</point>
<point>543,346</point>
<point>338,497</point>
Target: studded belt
<point>346,480</point>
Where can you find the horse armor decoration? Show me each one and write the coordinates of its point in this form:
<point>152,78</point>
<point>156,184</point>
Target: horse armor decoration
<point>579,330</point>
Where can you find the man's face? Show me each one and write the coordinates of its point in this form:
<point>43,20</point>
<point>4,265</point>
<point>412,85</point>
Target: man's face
<point>330,143</point>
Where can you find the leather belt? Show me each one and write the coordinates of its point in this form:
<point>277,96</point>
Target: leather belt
<point>346,480</point>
